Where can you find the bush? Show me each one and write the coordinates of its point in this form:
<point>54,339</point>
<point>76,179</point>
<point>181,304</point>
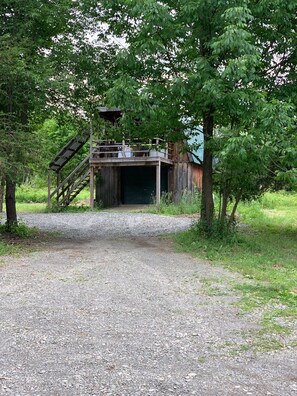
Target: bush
<point>218,230</point>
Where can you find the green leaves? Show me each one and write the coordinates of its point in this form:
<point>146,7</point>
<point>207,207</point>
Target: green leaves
<point>47,65</point>
<point>235,60</point>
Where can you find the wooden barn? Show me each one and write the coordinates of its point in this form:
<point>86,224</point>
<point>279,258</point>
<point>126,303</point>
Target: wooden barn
<point>126,172</point>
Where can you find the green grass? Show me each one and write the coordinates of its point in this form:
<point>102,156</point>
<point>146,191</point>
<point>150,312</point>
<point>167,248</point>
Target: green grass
<point>34,200</point>
<point>265,252</point>
<point>23,207</point>
<point>275,211</point>
<point>7,249</point>
<point>20,230</point>
<point>188,204</point>
<point>17,240</point>
<point>29,194</point>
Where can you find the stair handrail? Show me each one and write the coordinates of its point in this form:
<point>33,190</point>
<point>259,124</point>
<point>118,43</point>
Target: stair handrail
<point>74,186</point>
<point>69,176</point>
<point>71,182</point>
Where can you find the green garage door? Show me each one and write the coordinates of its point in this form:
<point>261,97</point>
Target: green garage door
<point>138,184</point>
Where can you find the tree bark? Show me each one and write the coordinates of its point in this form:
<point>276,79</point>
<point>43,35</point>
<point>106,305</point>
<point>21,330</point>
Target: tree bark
<point>207,205</point>
<point>2,184</point>
<point>11,214</point>
<point>232,216</point>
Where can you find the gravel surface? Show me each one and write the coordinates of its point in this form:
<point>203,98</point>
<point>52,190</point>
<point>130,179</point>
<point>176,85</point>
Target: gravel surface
<point>122,314</point>
<point>106,224</point>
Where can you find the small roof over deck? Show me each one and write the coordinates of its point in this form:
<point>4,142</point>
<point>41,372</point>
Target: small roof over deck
<point>110,114</point>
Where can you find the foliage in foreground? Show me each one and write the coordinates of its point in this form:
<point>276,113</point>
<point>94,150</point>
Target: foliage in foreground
<point>265,252</point>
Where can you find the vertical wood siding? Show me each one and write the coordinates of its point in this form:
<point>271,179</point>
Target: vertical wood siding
<point>185,176</point>
<point>108,187</point>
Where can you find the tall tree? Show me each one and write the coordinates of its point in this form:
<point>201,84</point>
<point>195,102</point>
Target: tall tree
<point>193,61</point>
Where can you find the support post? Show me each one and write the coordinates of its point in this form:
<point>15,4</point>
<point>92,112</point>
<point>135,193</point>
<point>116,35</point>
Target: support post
<point>123,148</point>
<point>48,190</point>
<point>158,183</point>
<point>58,183</point>
<point>92,187</point>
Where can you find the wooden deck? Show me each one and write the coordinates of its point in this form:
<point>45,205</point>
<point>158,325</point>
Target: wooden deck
<point>106,153</point>
<point>98,162</point>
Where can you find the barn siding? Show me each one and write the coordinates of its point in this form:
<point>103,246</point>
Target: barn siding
<point>108,187</point>
<point>186,176</point>
<point>197,176</point>
<point>182,175</point>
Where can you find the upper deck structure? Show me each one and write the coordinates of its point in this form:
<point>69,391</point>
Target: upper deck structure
<point>127,153</point>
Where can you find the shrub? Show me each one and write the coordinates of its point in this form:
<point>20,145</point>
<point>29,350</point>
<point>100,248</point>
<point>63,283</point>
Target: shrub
<point>218,230</point>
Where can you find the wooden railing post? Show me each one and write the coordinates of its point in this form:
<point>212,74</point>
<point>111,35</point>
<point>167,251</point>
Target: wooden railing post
<point>58,183</point>
<point>123,148</point>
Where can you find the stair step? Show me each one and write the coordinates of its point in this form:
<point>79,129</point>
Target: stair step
<point>77,189</point>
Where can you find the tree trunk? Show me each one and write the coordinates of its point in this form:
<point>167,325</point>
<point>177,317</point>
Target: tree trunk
<point>11,214</point>
<point>207,205</point>
<point>224,205</point>
<point>232,216</point>
<point>2,184</point>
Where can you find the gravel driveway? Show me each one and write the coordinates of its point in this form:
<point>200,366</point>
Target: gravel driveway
<point>108,308</point>
<point>106,224</point>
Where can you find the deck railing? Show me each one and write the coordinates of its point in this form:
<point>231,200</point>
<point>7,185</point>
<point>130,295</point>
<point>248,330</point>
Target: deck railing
<point>107,150</point>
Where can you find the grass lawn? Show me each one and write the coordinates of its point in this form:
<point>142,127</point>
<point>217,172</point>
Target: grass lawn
<point>7,249</point>
<point>34,200</point>
<point>22,240</point>
<point>264,251</point>
<point>33,207</point>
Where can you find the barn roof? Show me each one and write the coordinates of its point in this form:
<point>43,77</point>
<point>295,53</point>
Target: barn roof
<point>110,114</point>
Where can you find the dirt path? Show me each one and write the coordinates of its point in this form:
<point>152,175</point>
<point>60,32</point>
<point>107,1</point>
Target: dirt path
<point>128,316</point>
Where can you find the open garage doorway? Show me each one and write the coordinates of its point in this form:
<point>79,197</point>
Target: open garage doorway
<point>138,184</point>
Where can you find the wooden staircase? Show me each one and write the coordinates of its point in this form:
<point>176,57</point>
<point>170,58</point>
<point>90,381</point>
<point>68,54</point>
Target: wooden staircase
<point>70,187</point>
<point>78,179</point>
